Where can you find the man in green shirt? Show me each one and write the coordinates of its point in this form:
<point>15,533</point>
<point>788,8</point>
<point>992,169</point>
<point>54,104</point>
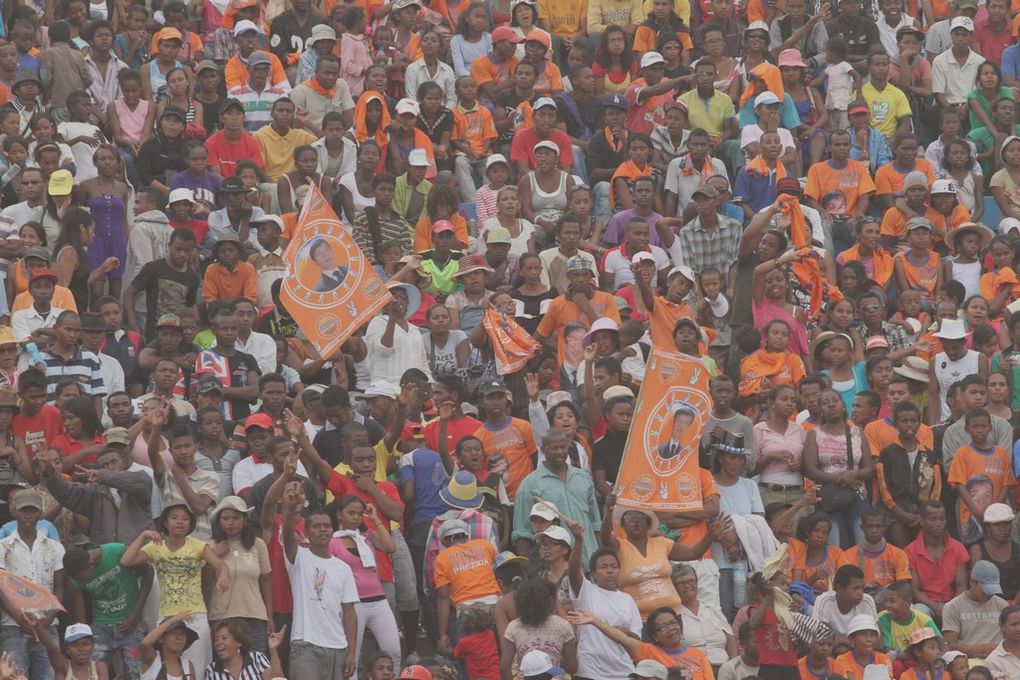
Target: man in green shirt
<point>412,188</point>
<point>1004,112</point>
<point>117,600</point>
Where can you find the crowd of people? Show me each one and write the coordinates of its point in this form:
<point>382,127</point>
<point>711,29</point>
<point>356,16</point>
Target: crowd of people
<point>818,205</point>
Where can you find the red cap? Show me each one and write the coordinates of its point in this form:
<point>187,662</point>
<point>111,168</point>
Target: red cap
<point>43,273</point>
<point>259,420</point>
<point>416,672</point>
<point>440,226</point>
<point>506,33</point>
<point>411,431</point>
<point>858,107</point>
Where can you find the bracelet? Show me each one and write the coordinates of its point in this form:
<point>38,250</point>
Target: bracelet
<point>777,263</point>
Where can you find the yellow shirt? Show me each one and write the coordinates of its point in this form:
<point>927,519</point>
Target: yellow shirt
<point>564,16</point>
<point>180,576</point>
<point>708,115</point>
<point>888,107</point>
<point>681,7</point>
<point>278,150</point>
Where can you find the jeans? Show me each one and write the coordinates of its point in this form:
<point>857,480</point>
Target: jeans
<point>580,166</point>
<point>846,525</point>
<point>404,575</point>
<point>26,653</point>
<point>466,172</point>
<point>600,202</point>
<point>109,640</point>
<point>312,662</point>
<point>130,166</point>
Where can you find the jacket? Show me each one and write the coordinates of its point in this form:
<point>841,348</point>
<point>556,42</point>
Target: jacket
<point>110,523</point>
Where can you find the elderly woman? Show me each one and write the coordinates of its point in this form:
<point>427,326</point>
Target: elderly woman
<point>644,560</point>
<point>705,626</point>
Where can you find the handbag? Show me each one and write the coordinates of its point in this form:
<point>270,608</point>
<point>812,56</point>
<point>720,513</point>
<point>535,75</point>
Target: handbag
<point>833,497</point>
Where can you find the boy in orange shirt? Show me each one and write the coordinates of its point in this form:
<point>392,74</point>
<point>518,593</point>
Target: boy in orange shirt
<point>502,433</point>
<point>864,637</point>
<point>980,458</point>
<point>881,562</point>
<point>228,278</point>
<point>463,573</point>
<point>474,133</point>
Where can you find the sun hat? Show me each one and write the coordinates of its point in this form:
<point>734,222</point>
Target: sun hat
<point>235,503</point>
<point>823,338</point>
<point>952,329</point>
<point>452,527</point>
<point>472,263</point>
<point>321,32</point>
<point>578,264</point>
<point>984,234</point>
<point>913,368</point>
<point>920,635</point>
<point>732,442</point>
<point>601,324</point>
<point>191,633</point>
<point>862,622</point>
<point>7,336</point>
<point>791,57</point>
<point>984,573</point>
<point>462,492</point>
<point>413,296</point>
<point>998,512</point>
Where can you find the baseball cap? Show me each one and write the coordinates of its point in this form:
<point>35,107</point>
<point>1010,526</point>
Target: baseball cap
<point>952,655</point>
<point>181,195</point>
<point>498,235</point>
<point>539,37</point>
<point>651,59</point>
<point>998,512</point>
<point>615,101</point>
<point>496,158</point>
<point>918,223</point>
<point>407,105</point>
<point>857,107</point>
<point>876,342</point>
<point>962,22</point>
<point>766,98</point>
<point>77,631</point>
<point>230,103</point>
<point>642,256</point>
<point>548,144</point>
<point>439,226</point>
<point>209,384</point>
<point>537,662</point>
<point>61,183</point>
<point>966,4</point>
<point>915,178</point>
<point>649,669</point>
<point>452,527</point>
<point>168,321</point>
<point>28,498</point>
<point>169,33</point>
<point>206,65</point>
<point>944,186</point>
<point>617,391</point>
<point>789,184</point>
<point>543,102</point>
<point>757,26</point>
<point>260,420</point>
<point>493,387</point>
<point>259,59</point>
<point>684,271</point>
<point>243,26</point>
<point>706,190</point>
<point>558,533</point>
<point>508,557</point>
<point>38,252</point>
<point>984,573</point>
<point>545,510</point>
<point>417,157</point>
<point>380,388</point>
<point>117,436</point>
<point>416,672</point>
<point>43,273</point>
<point>506,33</point>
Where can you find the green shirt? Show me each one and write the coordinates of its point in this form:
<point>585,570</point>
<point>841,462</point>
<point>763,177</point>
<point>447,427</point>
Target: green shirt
<point>442,277</point>
<point>113,589</point>
<point>896,633</point>
<point>1014,379</point>
<point>402,198</point>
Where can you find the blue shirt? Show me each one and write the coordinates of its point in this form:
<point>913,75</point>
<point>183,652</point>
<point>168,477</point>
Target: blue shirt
<point>44,527</point>
<point>788,116</point>
<point>425,468</point>
<point>26,62</point>
<point>1011,61</point>
<point>758,191</point>
<point>733,211</point>
<point>860,384</point>
<point>878,150</point>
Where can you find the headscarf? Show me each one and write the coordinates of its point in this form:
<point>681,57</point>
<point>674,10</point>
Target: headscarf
<point>770,76</point>
<point>382,138</point>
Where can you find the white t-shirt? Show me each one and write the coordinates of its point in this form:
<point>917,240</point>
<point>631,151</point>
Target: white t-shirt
<point>827,610</point>
<point>597,655</point>
<point>840,86</point>
<point>618,264</point>
<point>247,472</point>
<point>753,133</point>
<point>321,586</point>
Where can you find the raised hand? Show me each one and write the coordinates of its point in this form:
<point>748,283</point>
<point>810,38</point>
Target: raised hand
<point>91,475</point>
<point>446,410</point>
<point>277,637</point>
<point>295,428</point>
<point>531,384</point>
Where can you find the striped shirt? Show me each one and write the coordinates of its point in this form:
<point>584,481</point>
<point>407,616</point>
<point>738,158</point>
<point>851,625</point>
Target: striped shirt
<point>83,368</point>
<point>258,106</point>
<point>392,227</point>
<point>252,669</point>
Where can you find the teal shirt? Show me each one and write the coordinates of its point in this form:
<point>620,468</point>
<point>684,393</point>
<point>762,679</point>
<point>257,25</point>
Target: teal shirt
<point>113,589</point>
<point>575,498</point>
<point>1014,397</point>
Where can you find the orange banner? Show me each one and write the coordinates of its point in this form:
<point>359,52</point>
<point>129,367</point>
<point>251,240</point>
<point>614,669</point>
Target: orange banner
<point>27,595</point>
<point>330,288</point>
<point>511,344</point>
<point>659,470</point>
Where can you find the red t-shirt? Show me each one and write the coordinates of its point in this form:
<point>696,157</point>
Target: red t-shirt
<point>225,153</point>
<point>68,445</point>
<point>455,431</point>
<point>197,227</point>
<point>479,653</point>
<point>342,485</point>
<point>283,599</point>
<point>523,147</point>
<point>775,644</point>
<point>937,580</point>
<point>45,426</point>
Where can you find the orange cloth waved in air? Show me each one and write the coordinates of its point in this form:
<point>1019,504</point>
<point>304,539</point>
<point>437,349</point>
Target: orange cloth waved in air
<point>761,371</point>
<point>993,283</point>
<point>806,269</point>
<point>767,74</point>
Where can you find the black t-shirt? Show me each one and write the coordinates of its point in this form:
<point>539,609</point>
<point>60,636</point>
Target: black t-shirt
<point>607,453</point>
<point>601,156</point>
<point>288,36</point>
<point>509,101</point>
<point>330,446</point>
<point>589,109</point>
<point>442,124</point>
<point>167,291</point>
<point>211,114</point>
<point>240,365</point>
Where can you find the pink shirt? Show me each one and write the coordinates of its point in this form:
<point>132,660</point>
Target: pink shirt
<point>131,122</point>
<point>767,440</point>
<point>365,579</point>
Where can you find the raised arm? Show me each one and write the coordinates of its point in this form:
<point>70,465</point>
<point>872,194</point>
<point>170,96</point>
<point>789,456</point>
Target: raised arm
<point>580,617</point>
<point>293,501</point>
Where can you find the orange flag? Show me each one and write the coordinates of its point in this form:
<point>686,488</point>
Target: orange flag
<point>330,288</point>
<point>511,344</point>
<point>27,595</point>
<point>659,470</point>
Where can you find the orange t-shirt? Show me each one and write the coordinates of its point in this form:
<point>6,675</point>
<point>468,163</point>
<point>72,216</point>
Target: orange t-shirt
<point>646,578</point>
<point>423,232</point>
<point>691,535</point>
<point>550,80</point>
<point>563,310</point>
<point>62,299</point>
<point>995,464</point>
<point>832,667</point>
<point>645,38</point>
<point>222,284</point>
<point>853,180</point>
<point>882,569</point>
<point>894,223</point>
<point>889,180</point>
<point>467,569</point>
<point>484,70</point>
<point>921,277</point>
<point>476,126</point>
<point>663,318</point>
<point>193,45</point>
<point>834,559</point>
<point>881,433</point>
<point>691,658</point>
<point>235,73</point>
<point>514,440</point>
<point>958,216</point>
<point>853,671</point>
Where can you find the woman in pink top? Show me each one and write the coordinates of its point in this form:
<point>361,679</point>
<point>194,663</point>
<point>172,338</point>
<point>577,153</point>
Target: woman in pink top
<point>356,548</point>
<point>131,120</point>
<point>769,291</point>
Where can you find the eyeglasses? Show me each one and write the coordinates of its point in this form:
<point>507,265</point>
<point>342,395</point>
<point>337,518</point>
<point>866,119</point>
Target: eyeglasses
<point>667,626</point>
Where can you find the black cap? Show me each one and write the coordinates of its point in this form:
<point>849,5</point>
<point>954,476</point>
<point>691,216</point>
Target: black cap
<point>209,384</point>
<point>494,387</point>
<point>233,185</point>
<point>177,112</point>
<point>230,102</point>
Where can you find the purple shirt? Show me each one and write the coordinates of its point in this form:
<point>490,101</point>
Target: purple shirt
<point>618,225</point>
<point>205,189</point>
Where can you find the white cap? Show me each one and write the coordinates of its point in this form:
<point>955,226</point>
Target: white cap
<point>682,270</point>
<point>876,671</point>
<point>943,186</point>
<point>962,22</point>
<point>181,195</point>
<point>862,622</point>
<point>381,388</point>
<point>548,144</point>
<point>952,655</point>
<point>418,158</point>
<point>651,59</point>
<point>77,631</point>
<point>545,510</point>
<point>244,26</point>
<point>542,102</point>
<point>998,512</point>
<point>766,98</point>
<point>407,105</point>
<point>642,256</point>
<point>537,662</point>
<point>496,158</point>
<point>558,533</point>
<point>1008,224</point>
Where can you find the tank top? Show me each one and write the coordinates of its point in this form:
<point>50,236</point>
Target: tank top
<point>157,79</point>
<point>1009,570</point>
<point>360,201</point>
<point>948,371</point>
<point>99,11</point>
<point>921,277</point>
<point>93,675</point>
<point>132,122</point>
<point>541,200</point>
<point>969,275</point>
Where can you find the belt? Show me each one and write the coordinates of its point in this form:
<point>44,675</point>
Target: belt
<point>781,487</point>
